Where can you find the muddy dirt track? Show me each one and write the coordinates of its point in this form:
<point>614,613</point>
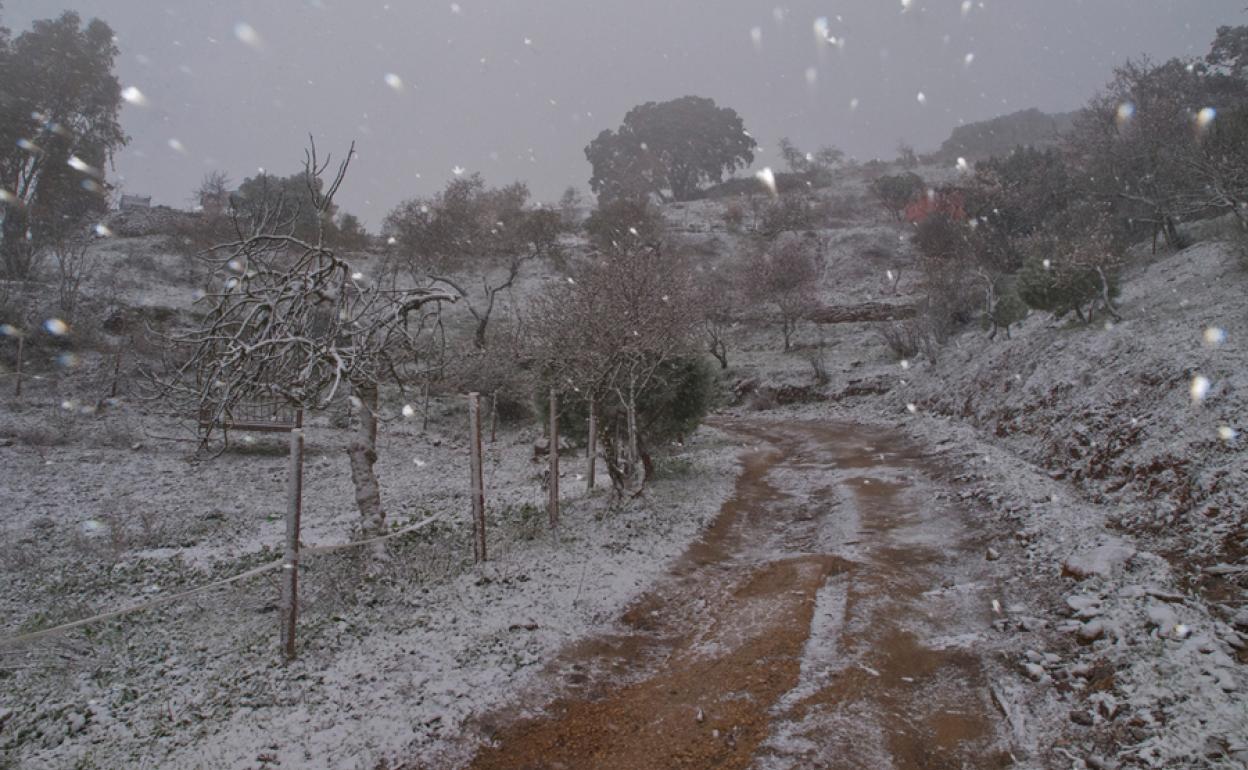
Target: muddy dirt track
<point>828,619</point>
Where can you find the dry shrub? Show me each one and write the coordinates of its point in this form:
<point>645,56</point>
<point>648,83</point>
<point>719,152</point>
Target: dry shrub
<point>911,338</point>
<point>791,212</point>
<point>819,365</point>
<point>761,400</point>
<point>494,373</point>
<point>844,208</point>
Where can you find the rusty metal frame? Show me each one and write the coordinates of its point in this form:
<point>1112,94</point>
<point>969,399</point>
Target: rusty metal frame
<point>255,418</point>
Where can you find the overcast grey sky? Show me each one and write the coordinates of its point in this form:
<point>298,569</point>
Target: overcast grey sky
<point>516,88</point>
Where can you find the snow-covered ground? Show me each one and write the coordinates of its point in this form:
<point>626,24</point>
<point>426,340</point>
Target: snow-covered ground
<point>1111,497</point>
<point>390,665</point>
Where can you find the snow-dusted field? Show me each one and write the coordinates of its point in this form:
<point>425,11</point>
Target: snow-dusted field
<point>389,666</point>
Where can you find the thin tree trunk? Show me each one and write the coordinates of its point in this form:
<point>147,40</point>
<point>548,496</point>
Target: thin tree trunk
<point>592,451</point>
<point>494,417</point>
<point>720,351</point>
<point>362,452</point>
<point>479,339</point>
<point>21,345</point>
<point>632,425</point>
<point>1105,295</point>
<point>553,504</point>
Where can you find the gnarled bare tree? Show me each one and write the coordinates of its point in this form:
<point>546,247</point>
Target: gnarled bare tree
<point>287,321</point>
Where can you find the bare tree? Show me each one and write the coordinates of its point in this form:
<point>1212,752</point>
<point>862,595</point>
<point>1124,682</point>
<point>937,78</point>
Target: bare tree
<point>288,321</point>
<point>213,194</point>
<point>609,333</point>
<point>719,298</point>
<point>787,280</point>
<point>75,263</point>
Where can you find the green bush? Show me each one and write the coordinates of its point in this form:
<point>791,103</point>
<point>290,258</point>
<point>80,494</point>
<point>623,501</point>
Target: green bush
<point>1059,289</point>
<point>896,192</point>
<point>674,403</point>
<point>1007,310</point>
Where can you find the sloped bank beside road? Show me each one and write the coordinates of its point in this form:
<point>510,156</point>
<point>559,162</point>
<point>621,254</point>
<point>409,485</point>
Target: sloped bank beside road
<point>1112,463</point>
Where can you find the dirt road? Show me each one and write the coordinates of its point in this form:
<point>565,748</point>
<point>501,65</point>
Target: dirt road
<point>828,619</point>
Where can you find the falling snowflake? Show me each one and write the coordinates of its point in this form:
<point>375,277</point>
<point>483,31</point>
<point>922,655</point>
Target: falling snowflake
<point>1205,117</point>
<point>409,411</point>
<point>1214,336</point>
<point>56,327</point>
<point>394,81</point>
<point>134,96</point>
<point>922,97</point>
<point>756,35</point>
<point>1227,433</point>
<point>1200,388</point>
<point>768,178</point>
<point>78,164</point>
<point>247,35</point>
<point>102,230</point>
<point>177,146</point>
<point>1126,111</point>
<point>458,171</point>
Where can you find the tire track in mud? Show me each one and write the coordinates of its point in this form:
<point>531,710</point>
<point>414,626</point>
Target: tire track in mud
<point>826,619</point>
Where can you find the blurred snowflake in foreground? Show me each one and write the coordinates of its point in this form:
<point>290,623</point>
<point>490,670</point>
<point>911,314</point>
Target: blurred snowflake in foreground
<point>1200,388</point>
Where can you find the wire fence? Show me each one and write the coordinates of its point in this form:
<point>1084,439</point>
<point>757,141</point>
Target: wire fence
<point>255,572</point>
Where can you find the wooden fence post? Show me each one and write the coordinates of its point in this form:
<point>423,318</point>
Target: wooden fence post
<point>593,442</point>
<point>553,505</point>
<point>112,391</point>
<point>478,484</point>
<point>494,417</point>
<point>424,423</point>
<point>290,563</point>
<point>21,343</point>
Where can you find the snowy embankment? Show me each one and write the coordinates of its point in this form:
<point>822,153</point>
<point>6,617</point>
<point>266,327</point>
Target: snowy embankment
<point>1110,464</point>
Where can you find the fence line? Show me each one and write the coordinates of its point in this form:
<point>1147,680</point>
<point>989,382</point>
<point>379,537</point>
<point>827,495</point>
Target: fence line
<point>34,635</point>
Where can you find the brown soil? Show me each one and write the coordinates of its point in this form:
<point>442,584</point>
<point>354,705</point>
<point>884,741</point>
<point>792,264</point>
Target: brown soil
<point>707,670</point>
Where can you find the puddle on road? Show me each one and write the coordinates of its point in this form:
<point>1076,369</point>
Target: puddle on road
<point>732,634</point>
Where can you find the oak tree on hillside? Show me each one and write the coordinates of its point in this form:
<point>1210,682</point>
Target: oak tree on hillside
<point>490,233</point>
<point>59,128</point>
<point>670,149</point>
